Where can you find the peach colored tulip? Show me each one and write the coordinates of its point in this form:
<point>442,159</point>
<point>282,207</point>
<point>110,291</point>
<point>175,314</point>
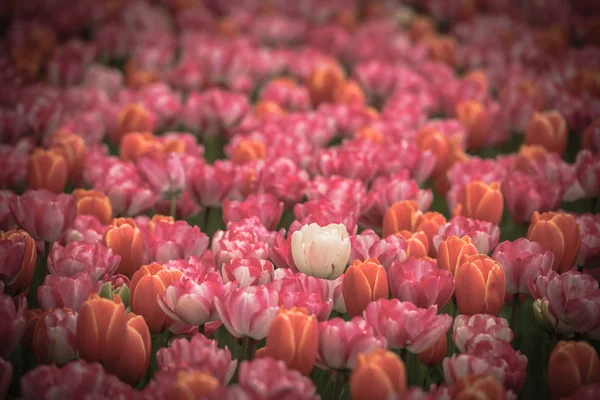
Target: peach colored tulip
<point>436,353</point>
<point>421,27</point>
<point>558,233</point>
<point>378,375</point>
<point>483,387</point>
<point>348,92</point>
<point>72,148</point>
<point>294,338</point>
<point>370,134</point>
<point>133,118</point>
<point>443,49</point>
<point>134,362</point>
<point>125,239</point>
<point>572,365</point>
<point>363,283</point>
<point>248,150</point>
<point>474,116</point>
<point>430,223</point>
<point>265,109</point>
<point>453,251</point>
<point>323,81</point>
<point>402,215</point>
<point>439,144</point>
<point>48,169</point>
<point>93,202</point>
<point>481,201</point>
<point>549,130</point>
<point>480,285</point>
<point>192,384</point>
<point>417,244</point>
<point>134,144</point>
<point>157,218</point>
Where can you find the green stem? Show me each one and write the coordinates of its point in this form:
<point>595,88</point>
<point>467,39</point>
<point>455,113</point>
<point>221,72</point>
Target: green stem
<point>250,344</point>
<point>339,380</point>
<point>173,210</point>
<point>206,220</point>
<point>158,341</point>
<point>201,329</point>
<point>513,314</point>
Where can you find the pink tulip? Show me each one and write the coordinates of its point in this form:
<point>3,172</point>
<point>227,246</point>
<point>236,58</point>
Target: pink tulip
<point>210,184</point>
<point>351,163</point>
<point>340,342</point>
<point>85,228</point>
<point>468,329</point>
<point>267,378</point>
<point>460,365</point>
<point>263,205</point>
<point>336,189</point>
<point>13,319</point>
<point>421,282</point>
<point>162,101</point>
<point>524,194</point>
<point>43,214</point>
<point>302,283</point>
<point>175,240</point>
<point>185,207</point>
<point>214,111</point>
<point>55,339</point>
<point>280,253</point>
<point>377,79</point>
<point>77,379</point>
<point>336,295</point>
<point>247,312</point>
<point>15,160</point>
<point>94,259</point>
<point>323,212</point>
<point>11,259</point>
<point>586,392</point>
<point>522,261</point>
<point>291,97</point>
<point>107,79</point>
<point>7,221</point>
<point>368,244</point>
<point>405,325</point>
<point>164,173</point>
<point>198,353</point>
<point>66,292</point>
<point>587,167</point>
<point>474,169</point>
<point>240,242</point>
<point>589,251</point>
<point>485,235</point>
<point>6,372</point>
<point>247,271</point>
<point>312,302</point>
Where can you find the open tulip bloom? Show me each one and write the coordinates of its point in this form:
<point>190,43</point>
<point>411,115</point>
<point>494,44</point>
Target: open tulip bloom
<point>302,200</point>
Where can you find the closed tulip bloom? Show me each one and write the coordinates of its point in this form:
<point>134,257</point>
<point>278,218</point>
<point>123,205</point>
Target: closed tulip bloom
<point>101,327</point>
<point>72,148</point>
<point>480,286</point>
<point>135,144</point>
<point>481,201</point>
<point>402,215</point>
<point>478,387</point>
<point>125,239</point>
<point>133,118</point>
<point>591,136</point>
<point>134,362</point>
<point>47,170</point>
<point>348,92</point>
<point>558,233</point>
<point>417,244</point>
<point>248,150</point>
<point>572,365</point>
<point>147,283</point>
<point>436,353</point>
<point>453,251</point>
<point>323,81</point>
<point>54,337</point>
<point>294,338</point>
<point>430,224</point>
<point>164,172</point>
<point>24,264</point>
<point>474,116</point>
<point>378,375</point>
<point>547,129</point>
<point>321,252</point>
<point>363,283</point>
<point>93,202</point>
<point>13,317</point>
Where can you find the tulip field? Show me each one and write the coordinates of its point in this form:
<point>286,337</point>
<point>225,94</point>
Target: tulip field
<point>297,200</point>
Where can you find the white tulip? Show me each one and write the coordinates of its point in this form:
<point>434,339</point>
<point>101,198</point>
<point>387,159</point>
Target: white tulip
<point>321,251</point>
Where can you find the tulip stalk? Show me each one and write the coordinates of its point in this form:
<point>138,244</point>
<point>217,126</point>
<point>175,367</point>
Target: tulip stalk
<point>173,209</point>
<point>339,381</point>
<point>513,314</point>
<point>158,341</point>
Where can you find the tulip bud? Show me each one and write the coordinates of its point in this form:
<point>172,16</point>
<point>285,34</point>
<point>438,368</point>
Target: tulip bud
<point>134,362</point>
<point>248,150</point>
<point>558,233</point>
<point>430,224</point>
<point>436,353</point>
<point>482,202</point>
<point>134,144</point>
<point>133,118</point>
<point>453,251</point>
<point>572,365</point>
<point>363,283</point>
<point>101,327</point>
<point>323,81</point>
<point>93,202</point>
<point>72,148</point>
<point>478,387</point>
<point>474,116</point>
<point>417,244</point>
<point>147,283</point>
<point>125,239</point>
<point>402,215</point>
<point>480,286</point>
<point>378,375</point>
<point>26,266</point>
<point>294,338</point>
<point>348,92</point>
<point>47,170</point>
<point>547,129</point>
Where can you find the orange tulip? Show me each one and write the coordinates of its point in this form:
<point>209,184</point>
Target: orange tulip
<point>347,18</point>
<point>294,339</point>
<point>93,202</point>
<point>27,268</point>
<point>134,144</point>
<point>529,154</point>
<point>266,109</point>
<point>549,130</point>
<point>378,375</point>
<point>436,353</point>
<point>136,77</point>
<point>453,251</point>
<point>72,148</point>
<point>572,365</point>
<point>125,239</point>
<point>417,243</point>
<point>421,27</point>
<point>481,201</point>
<point>558,233</point>
<point>147,283</point>
<point>33,316</point>
<point>479,77</point>
<point>48,169</point>
<point>156,218</point>
<point>192,384</point>
<point>430,224</point>
<point>133,118</point>
<point>442,49</point>
<point>101,327</point>
<point>483,387</point>
<point>370,134</point>
<point>323,81</point>
<point>227,27</point>
<point>474,116</point>
<point>480,286</point>
<point>348,92</point>
<point>439,144</point>
<point>248,150</point>
<point>132,366</point>
<point>402,215</point>
<point>363,283</point>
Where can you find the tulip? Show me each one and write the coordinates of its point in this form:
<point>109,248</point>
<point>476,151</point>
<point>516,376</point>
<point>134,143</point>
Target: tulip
<point>484,235</point>
<point>191,385</point>
<point>125,239</point>
<point>133,118</point>
<point>87,229</point>
<point>163,172</point>
<point>248,272</point>
<point>11,259</point>
<point>453,251</point>
<point>314,303</point>
<point>175,241</point>
<point>421,282</point>
<point>66,292</point>
<point>264,205</point>
<point>417,244</point>
<point>47,170</point>
<point>96,260</point>
<point>524,194</point>
<point>441,145</point>
<point>435,354</point>
<point>459,366</point>
<point>591,136</point>
<point>369,245</point>
<point>44,215</point>
<point>547,129</point>
<point>348,92</point>
<point>12,313</point>
<point>378,375</point>
<point>480,286</point>
<point>467,329</point>
<point>147,283</point>
<point>558,233</point>
<point>101,327</point>
<point>293,338</point>
<point>442,48</point>
<point>430,224</point>
<point>134,362</point>
<point>72,148</point>
<point>93,202</point>
<point>323,81</point>
<point>134,145</point>
<point>209,184</point>
<point>6,372</point>
<point>587,168</point>
<point>476,119</point>
<point>248,150</point>
<point>321,251</point>
<point>402,215</point>
<point>54,338</point>
<point>323,212</point>
<point>479,387</point>
<point>18,261</point>
<point>481,201</point>
<point>214,111</point>
<point>572,365</point>
<point>589,224</point>
<point>250,242</point>
<point>363,283</point>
